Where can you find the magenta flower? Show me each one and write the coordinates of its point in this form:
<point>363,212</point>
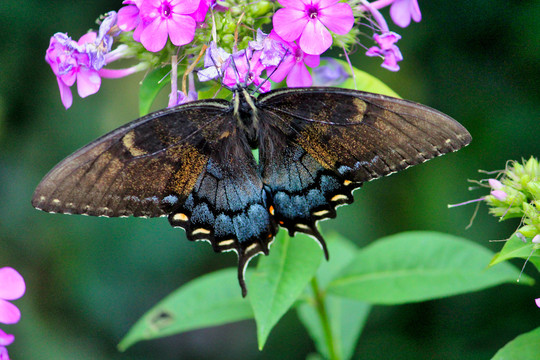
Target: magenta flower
<point>245,68</point>
<point>387,50</point>
<point>216,60</point>
<point>200,14</point>
<point>129,19</point>
<point>12,287</point>
<point>402,11</point>
<point>309,21</point>
<point>293,66</point>
<point>71,63</point>
<point>167,19</point>
<point>5,340</point>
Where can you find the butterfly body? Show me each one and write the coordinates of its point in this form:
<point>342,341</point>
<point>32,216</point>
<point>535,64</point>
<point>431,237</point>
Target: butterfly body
<point>194,163</point>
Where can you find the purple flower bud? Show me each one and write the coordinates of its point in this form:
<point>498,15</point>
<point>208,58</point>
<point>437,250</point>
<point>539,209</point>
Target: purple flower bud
<point>499,194</point>
<point>495,184</point>
<point>536,239</point>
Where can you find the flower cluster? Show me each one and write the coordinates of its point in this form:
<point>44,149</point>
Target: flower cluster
<point>12,287</point>
<point>240,41</point>
<point>515,192</point>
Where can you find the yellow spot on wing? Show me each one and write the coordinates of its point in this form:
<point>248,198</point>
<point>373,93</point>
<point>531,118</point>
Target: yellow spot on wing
<point>339,197</point>
<point>200,231</point>
<point>180,217</point>
<point>129,142</point>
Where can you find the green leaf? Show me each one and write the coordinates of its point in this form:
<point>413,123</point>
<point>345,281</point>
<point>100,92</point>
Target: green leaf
<point>342,252</point>
<point>210,300</point>
<point>346,317</point>
<point>516,248</point>
<point>524,347</point>
<point>418,266</point>
<point>364,81</point>
<point>280,278</point>
<point>150,88</point>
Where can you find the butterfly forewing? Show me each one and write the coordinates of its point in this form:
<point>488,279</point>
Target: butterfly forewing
<point>319,144</point>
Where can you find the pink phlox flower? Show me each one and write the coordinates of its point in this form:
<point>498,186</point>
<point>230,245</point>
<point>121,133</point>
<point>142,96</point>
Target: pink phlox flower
<point>308,21</point>
<point>71,62</point>
<point>3,353</point>
<point>402,11</point>
<point>165,19</point>
<point>331,74</point>
<point>200,14</point>
<point>293,65</point>
<point>537,302</point>
<point>216,60</point>
<point>387,50</point>
<point>5,339</point>
<point>12,287</point>
<point>129,19</point>
<point>272,50</point>
<point>244,69</point>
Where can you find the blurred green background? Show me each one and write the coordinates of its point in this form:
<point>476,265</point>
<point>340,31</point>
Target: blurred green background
<point>89,279</point>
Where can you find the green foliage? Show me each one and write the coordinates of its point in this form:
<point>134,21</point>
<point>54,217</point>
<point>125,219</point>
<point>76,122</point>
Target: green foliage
<point>210,300</point>
<point>419,266</point>
<point>524,347</point>
<point>150,88</point>
<point>516,248</point>
<point>404,268</point>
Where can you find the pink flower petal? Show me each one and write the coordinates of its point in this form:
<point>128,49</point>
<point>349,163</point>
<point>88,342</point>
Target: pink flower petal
<point>184,7</point>
<point>326,3</point>
<point>181,29</point>
<point>87,38</point>
<point>3,353</point>
<point>312,60</point>
<point>315,39</point>
<point>88,82</point>
<point>65,93</point>
<point>128,18</point>
<point>283,69</point>
<point>6,339</point>
<point>338,18</point>
<point>12,284</point>
<point>402,11</point>
<point>154,36</point>
<point>299,76</point>
<point>294,4</point>
<point>537,302</point>
<point>9,313</point>
<point>289,23</point>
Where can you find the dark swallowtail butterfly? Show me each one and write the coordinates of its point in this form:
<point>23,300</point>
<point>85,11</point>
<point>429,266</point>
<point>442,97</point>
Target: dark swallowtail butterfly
<point>194,163</point>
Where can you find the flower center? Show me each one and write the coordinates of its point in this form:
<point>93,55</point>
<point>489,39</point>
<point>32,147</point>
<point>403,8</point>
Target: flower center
<point>312,12</point>
<point>166,9</point>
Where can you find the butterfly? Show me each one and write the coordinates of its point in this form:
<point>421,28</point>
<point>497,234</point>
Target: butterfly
<point>194,163</point>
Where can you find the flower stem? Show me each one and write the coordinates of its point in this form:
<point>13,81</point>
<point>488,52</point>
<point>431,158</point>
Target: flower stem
<point>325,321</point>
